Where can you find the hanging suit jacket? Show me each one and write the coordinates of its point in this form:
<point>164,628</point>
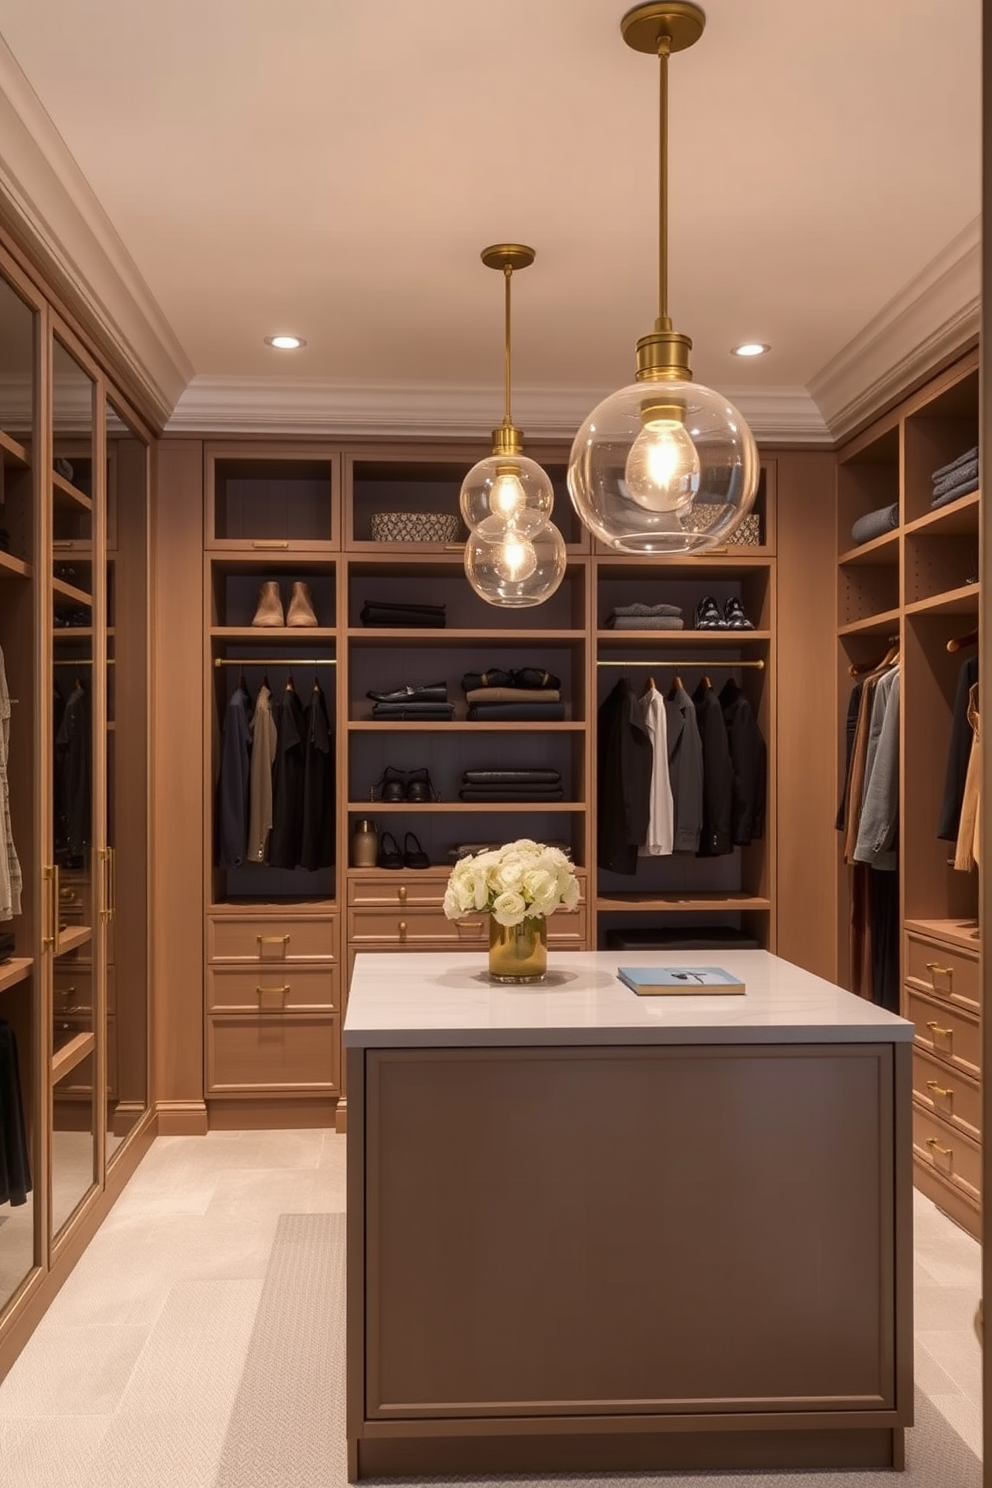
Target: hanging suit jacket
<point>318,786</point>
<point>623,800</point>
<point>661,818</point>
<point>749,761</point>
<point>878,825</point>
<point>15,1166</point>
<point>286,842</point>
<point>232,789</point>
<point>958,754</point>
<point>685,770</point>
<point>718,775</point>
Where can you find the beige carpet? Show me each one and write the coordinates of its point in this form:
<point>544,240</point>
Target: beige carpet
<point>287,1427</point>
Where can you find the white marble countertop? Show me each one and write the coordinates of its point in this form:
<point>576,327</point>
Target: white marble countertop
<point>441,999</point>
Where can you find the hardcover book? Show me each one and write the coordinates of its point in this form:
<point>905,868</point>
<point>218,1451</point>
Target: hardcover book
<point>661,981</point>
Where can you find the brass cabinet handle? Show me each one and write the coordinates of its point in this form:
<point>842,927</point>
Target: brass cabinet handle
<point>67,895</point>
<point>944,1032</point>
<point>401,926</point>
<point>935,1146</point>
<point>280,991</point>
<point>935,969</point>
<point>104,856</point>
<point>263,940</point>
<point>270,542</point>
<point>402,893</point>
<point>51,873</point>
<point>470,924</point>
<point>112,856</point>
<point>939,1089</point>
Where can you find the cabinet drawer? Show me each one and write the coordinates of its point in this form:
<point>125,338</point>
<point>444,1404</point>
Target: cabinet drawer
<point>384,927</point>
<point>955,1156</point>
<point>263,991</point>
<point>949,1094</point>
<point>948,1032</point>
<point>398,889</point>
<point>943,971</point>
<point>281,938</point>
<point>255,1054</point>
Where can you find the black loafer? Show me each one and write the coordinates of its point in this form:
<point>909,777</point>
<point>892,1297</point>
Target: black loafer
<point>708,615</point>
<point>414,857</point>
<point>389,852</point>
<point>734,617</point>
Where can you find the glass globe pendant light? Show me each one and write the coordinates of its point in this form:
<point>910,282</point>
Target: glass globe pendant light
<point>665,465</point>
<point>515,555</point>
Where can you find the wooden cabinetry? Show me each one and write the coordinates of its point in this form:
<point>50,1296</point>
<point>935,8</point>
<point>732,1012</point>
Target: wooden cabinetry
<point>915,589</point>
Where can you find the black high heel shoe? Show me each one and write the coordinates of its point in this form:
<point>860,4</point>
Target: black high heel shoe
<point>414,857</point>
<point>389,856</point>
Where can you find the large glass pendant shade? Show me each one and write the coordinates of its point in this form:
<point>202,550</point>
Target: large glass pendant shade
<point>663,466</point>
<point>515,565</point>
<point>502,486</point>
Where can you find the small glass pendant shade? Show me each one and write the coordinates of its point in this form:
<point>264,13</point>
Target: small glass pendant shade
<point>501,486</point>
<point>517,566</point>
<point>649,455</point>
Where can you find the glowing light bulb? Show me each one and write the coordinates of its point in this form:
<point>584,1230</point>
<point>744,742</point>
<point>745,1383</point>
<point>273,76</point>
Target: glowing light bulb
<point>662,471</point>
<point>508,495</point>
<point>516,558</point>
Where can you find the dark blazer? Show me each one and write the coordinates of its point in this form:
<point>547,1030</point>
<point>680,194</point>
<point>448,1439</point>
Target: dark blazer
<point>232,788</point>
<point>623,801</point>
<point>749,761</point>
<point>958,754</point>
<point>718,775</point>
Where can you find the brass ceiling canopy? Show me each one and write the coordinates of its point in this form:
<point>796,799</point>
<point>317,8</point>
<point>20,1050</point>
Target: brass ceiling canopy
<point>510,256</point>
<point>680,20</point>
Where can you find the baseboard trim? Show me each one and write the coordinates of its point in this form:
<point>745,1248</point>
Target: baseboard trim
<point>182,1118</point>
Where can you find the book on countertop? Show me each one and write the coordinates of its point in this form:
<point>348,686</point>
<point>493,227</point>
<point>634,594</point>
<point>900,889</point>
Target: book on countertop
<point>660,981</point>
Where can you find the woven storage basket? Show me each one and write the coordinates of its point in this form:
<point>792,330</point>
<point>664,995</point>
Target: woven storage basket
<point>703,516</point>
<point>418,527</point>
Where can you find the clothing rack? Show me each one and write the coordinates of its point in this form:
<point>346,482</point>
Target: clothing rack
<point>695,661</point>
<point>290,661</point>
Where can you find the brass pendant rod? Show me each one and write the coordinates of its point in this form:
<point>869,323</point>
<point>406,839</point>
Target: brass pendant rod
<point>664,51</point>
<point>507,416</point>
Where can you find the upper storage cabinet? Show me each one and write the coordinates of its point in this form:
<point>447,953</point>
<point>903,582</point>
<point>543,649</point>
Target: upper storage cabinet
<point>273,500</point>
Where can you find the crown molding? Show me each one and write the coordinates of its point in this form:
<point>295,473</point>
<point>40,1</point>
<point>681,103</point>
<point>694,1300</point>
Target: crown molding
<point>50,204</point>
<point>239,405</point>
<point>933,316</point>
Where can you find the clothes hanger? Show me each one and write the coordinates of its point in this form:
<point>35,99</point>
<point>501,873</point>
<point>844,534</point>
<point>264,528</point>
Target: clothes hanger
<point>958,643</point>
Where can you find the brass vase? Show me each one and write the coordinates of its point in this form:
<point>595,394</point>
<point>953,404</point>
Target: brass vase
<point>518,953</point>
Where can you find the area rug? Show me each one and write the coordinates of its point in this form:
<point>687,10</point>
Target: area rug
<point>287,1429</point>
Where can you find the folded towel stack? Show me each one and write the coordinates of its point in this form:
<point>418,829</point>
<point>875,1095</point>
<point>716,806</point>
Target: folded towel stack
<point>418,703</point>
<point>955,479</point>
<point>511,785</point>
<point>513,696</point>
<point>380,612</point>
<point>645,617</point>
<point>874,523</point>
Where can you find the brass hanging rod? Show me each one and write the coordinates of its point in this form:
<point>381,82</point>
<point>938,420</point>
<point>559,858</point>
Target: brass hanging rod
<point>290,661</point>
<point>696,661</point>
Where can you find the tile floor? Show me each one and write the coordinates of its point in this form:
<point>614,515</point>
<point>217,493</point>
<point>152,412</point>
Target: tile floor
<point>132,1375</point>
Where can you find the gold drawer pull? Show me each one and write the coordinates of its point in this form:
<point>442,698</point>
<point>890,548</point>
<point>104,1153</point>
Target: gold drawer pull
<point>471,924</point>
<point>401,926</point>
<point>402,893</point>
<point>935,1146</point>
<point>280,991</point>
<point>270,542</point>
<point>935,969</point>
<point>944,1032</point>
<point>939,1089</point>
<point>272,940</point>
<point>67,895</point>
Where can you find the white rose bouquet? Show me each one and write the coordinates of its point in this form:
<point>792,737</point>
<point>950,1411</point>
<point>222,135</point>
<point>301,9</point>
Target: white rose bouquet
<point>523,880</point>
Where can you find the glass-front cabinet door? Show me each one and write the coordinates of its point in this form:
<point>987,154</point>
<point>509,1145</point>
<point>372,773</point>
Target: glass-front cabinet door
<point>126,873</point>
<point>76,870</point>
<point>20,907</point>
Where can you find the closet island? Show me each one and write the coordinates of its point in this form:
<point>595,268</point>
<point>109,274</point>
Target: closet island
<point>589,1230</point>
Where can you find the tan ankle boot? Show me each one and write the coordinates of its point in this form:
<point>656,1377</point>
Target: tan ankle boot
<point>301,606</point>
<point>269,610</point>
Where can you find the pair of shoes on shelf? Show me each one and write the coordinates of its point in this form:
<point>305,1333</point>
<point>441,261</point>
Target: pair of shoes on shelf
<point>412,856</point>
<point>270,612</point>
<point>404,785</point>
<point>709,617</point>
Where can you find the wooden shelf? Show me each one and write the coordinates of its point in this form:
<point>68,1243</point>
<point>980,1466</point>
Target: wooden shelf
<point>689,901</point>
<point>963,601</point>
<point>67,496</point>
<point>376,634</point>
<point>13,568</point>
<point>435,807</point>
<point>956,932</point>
<point>74,936</point>
<point>264,635</point>
<point>880,551</point>
<point>13,452</point>
<point>674,638</point>
<point>69,592</point>
<point>884,623</point>
<point>17,969</point>
<point>956,519</point>
<point>73,633</point>
<point>465,726</point>
<point>71,1054</point>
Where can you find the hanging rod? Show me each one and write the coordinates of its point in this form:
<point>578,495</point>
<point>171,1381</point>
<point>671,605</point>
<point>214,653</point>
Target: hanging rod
<point>290,661</point>
<point>696,661</point>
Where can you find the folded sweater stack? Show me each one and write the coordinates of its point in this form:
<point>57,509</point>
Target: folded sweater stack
<point>874,523</point>
<point>513,696</point>
<point>955,479</point>
<point>412,704</point>
<point>511,785</point>
<point>645,617</point>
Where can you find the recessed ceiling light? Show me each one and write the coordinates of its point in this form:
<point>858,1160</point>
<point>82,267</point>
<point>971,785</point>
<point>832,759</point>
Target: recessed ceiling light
<point>285,343</point>
<point>750,348</point>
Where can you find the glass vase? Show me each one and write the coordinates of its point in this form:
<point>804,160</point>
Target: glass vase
<point>518,953</point>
